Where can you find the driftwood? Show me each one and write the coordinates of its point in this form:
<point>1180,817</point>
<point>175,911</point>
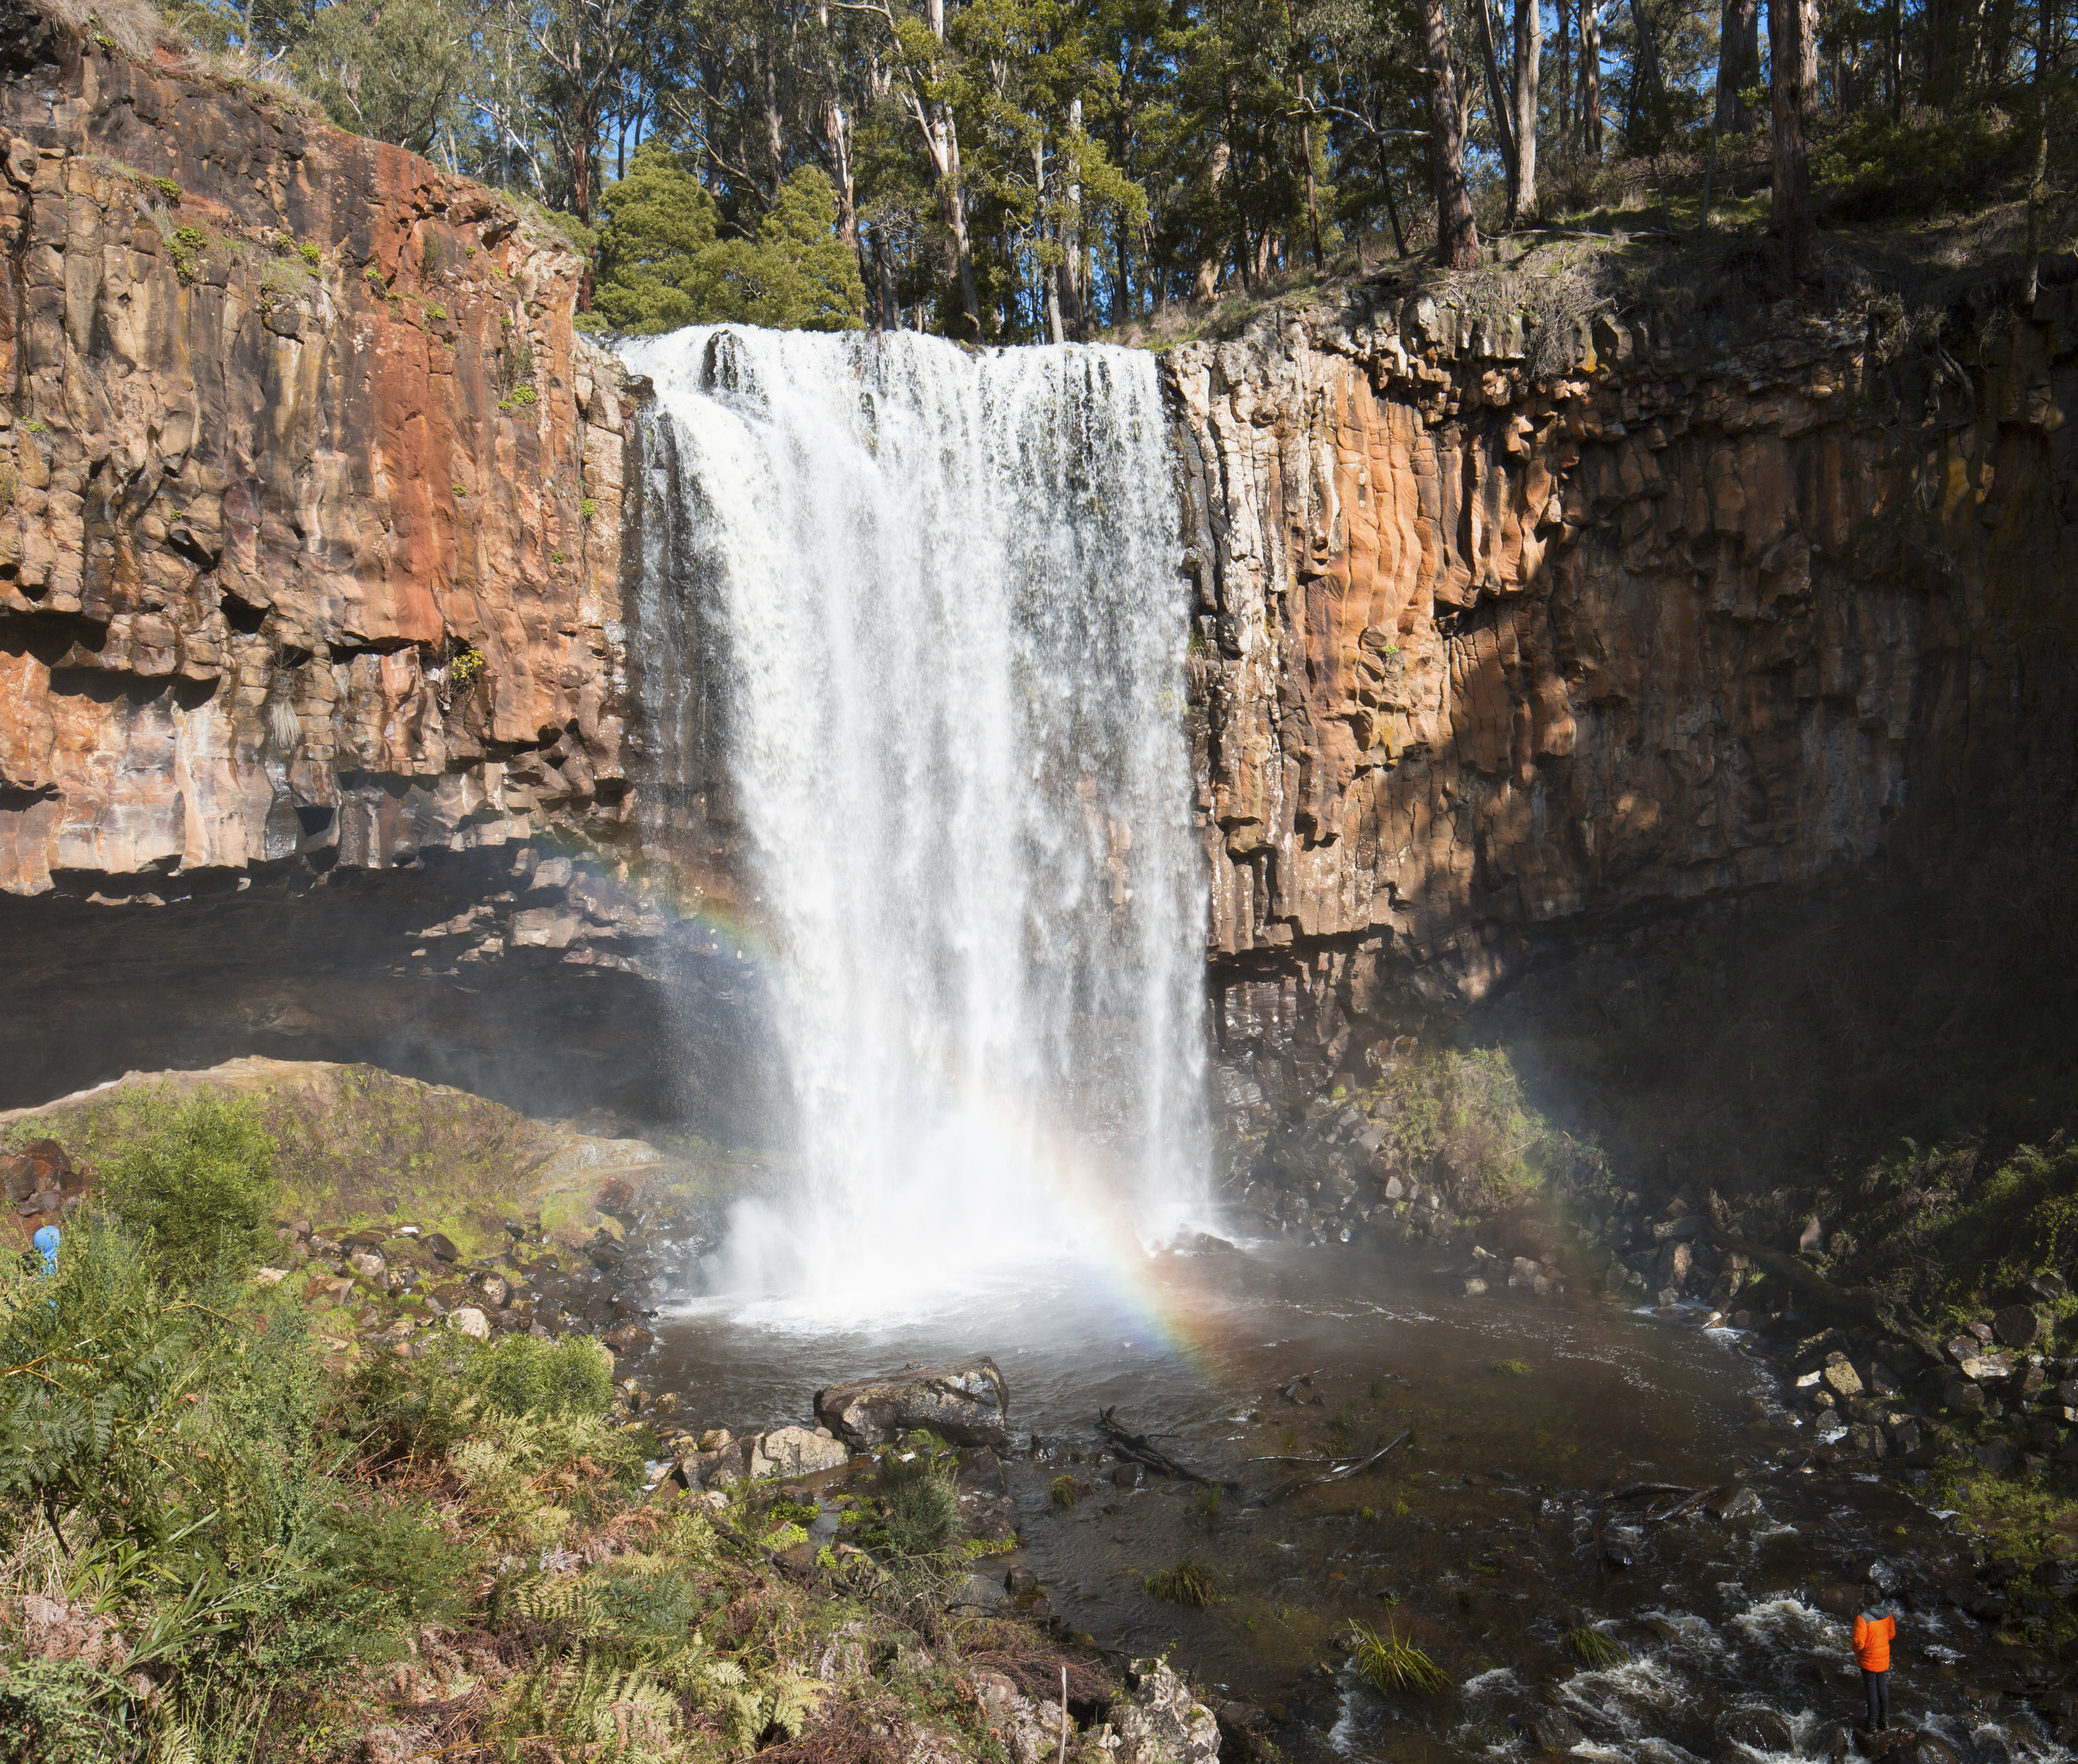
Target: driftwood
<point>1645,1490</point>
<point>1680,1507</point>
<point>1144,1452</point>
<point>1342,1470</point>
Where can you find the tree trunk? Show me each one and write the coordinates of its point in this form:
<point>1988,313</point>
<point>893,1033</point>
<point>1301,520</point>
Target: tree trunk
<point>1894,57</point>
<point>1073,303</point>
<point>1736,72</point>
<point>1392,208</point>
<point>1788,23</point>
<point>1564,84</point>
<point>1591,79</point>
<point>1529,54</point>
<point>837,131</point>
<point>952,210</point>
<point>1648,95</point>
<point>1497,103</point>
<point>1206,283</point>
<point>2038,184</point>
<point>1457,239</point>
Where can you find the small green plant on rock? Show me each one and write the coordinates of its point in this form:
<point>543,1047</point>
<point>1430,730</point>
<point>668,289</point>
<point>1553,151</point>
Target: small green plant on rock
<point>171,191</point>
<point>1064,1491</point>
<point>467,667</point>
<point>1393,1663</point>
<point>518,398</point>
<point>1511,1368</point>
<point>310,254</point>
<point>185,246</point>
<point>1186,1582</point>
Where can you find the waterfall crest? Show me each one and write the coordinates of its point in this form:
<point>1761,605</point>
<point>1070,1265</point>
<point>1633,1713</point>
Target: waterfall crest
<point>941,598</point>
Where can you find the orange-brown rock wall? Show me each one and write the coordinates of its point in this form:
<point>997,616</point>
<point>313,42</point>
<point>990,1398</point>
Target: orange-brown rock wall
<point>309,494</point>
<point>1484,653</point>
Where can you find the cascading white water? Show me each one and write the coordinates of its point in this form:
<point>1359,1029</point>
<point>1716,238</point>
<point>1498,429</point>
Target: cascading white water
<point>943,593</point>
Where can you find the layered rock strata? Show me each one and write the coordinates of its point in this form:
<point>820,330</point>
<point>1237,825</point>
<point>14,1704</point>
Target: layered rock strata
<point>309,495</point>
<point>1488,655</point>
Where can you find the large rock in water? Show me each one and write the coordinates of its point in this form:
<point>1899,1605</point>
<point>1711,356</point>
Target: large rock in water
<point>967,1401</point>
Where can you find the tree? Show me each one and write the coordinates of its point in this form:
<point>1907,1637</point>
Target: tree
<point>1591,78</point>
<point>1457,239</point>
<point>1738,63</point>
<point>392,69</point>
<point>1529,50</point>
<point>663,263</point>
<point>1789,23</point>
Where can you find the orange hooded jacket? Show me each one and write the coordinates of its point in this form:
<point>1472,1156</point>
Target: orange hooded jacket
<point>1873,1632</point>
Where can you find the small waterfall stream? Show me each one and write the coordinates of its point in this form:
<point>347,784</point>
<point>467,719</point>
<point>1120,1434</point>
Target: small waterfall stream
<point>941,624</point>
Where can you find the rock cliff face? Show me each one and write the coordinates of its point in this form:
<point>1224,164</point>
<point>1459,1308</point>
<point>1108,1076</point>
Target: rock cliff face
<point>310,641</point>
<point>1491,657</point>
<point>309,497</point>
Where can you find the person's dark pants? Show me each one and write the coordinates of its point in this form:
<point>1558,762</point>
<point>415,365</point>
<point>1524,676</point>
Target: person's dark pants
<point>1876,1687</point>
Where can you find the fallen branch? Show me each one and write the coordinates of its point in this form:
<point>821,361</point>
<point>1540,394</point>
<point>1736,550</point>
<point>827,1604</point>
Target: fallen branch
<point>1680,1507</point>
<point>1143,1450</point>
<point>1642,1490</point>
<point>1344,1468</point>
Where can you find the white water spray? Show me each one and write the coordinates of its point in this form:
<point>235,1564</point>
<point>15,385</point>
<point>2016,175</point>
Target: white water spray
<point>944,596</point>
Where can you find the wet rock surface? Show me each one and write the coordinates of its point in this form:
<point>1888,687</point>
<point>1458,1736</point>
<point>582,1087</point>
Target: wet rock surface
<point>967,1401</point>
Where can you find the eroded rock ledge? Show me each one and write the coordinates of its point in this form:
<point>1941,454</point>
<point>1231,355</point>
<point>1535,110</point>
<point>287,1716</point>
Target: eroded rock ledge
<point>1490,657</point>
<point>309,497</point>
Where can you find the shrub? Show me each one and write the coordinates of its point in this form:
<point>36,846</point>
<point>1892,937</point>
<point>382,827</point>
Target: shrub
<point>525,1376</point>
<point>197,1190</point>
<point>1875,169</point>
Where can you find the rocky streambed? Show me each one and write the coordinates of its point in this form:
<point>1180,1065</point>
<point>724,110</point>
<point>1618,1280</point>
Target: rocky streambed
<point>1617,1531</point>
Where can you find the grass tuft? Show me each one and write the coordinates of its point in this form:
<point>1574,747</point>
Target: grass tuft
<point>1188,1582</point>
<point>1593,1648</point>
<point>1511,1368</point>
<point>1392,1663</point>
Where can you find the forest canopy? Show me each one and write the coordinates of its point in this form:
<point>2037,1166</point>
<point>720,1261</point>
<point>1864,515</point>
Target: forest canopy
<point>1011,170</point>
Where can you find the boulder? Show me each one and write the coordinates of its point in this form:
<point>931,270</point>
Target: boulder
<point>441,1248</point>
<point>2017,1326</point>
<point>793,1452</point>
<point>1159,1720</point>
<point>629,1338</point>
<point>1757,1728</point>
<point>1963,1396</point>
<point>1840,1377</point>
<point>967,1401</point>
<point>472,1322</point>
<point>1029,1731</point>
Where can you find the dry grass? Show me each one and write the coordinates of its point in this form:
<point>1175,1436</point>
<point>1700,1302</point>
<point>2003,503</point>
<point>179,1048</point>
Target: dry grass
<point>130,28</point>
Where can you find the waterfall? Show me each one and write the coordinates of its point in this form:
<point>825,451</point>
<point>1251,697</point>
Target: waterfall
<point>939,603</point>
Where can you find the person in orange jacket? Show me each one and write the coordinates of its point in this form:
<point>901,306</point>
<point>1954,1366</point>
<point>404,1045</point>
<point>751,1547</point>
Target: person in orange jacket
<point>1874,1626</point>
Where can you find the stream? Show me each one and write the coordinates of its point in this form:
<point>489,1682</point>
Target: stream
<point>1623,1473</point>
